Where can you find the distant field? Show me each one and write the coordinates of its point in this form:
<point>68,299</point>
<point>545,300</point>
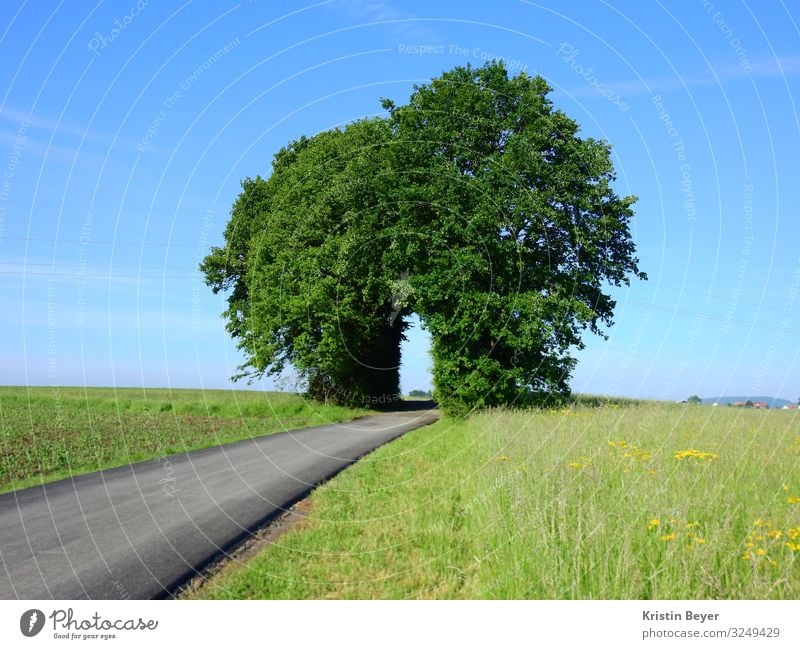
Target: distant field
<point>644,501</point>
<point>51,433</point>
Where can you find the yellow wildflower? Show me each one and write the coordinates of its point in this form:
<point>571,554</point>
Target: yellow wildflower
<point>668,537</point>
<point>793,500</point>
<point>692,453</point>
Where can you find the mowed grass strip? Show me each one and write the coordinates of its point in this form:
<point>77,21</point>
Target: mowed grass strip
<point>52,433</point>
<point>653,501</point>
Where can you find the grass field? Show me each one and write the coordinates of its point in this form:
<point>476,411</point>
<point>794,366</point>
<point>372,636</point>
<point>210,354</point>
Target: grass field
<point>642,501</point>
<point>51,433</point>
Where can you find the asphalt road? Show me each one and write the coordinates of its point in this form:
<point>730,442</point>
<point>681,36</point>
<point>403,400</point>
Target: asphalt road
<point>142,530</point>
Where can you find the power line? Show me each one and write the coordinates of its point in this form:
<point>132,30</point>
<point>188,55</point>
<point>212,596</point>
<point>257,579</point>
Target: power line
<point>697,314</point>
<point>720,297</point>
<point>110,243</point>
<point>104,276</point>
<point>76,267</point>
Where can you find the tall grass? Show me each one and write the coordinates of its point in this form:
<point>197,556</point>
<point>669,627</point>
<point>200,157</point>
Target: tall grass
<point>51,433</point>
<point>579,503</point>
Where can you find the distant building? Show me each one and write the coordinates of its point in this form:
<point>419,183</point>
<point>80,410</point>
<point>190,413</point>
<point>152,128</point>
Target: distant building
<point>790,406</point>
<point>761,405</point>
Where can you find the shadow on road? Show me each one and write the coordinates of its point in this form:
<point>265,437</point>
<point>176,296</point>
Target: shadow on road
<point>412,405</point>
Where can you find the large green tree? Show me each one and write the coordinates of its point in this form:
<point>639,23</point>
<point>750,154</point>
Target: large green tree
<point>475,205</point>
<point>302,269</point>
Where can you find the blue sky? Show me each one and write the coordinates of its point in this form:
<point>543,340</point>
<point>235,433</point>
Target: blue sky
<point>126,127</point>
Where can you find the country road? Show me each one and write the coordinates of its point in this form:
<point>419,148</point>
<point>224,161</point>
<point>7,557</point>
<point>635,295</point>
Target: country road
<point>139,531</point>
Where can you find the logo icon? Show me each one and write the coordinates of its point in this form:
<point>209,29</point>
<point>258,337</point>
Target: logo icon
<point>31,622</point>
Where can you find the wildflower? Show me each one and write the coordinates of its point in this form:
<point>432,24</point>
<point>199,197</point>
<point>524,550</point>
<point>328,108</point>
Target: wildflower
<point>668,537</point>
<point>637,454</point>
<point>654,522</point>
<point>775,534</point>
<point>692,453</point>
<point>698,539</point>
<point>747,556</point>
<point>502,458</point>
<point>794,547</point>
<point>761,552</point>
<point>793,500</point>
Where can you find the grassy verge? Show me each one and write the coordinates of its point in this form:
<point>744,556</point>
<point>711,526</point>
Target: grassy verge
<point>642,501</point>
<point>51,433</point>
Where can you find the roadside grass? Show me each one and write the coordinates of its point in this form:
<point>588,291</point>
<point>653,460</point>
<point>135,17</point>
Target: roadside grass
<point>648,501</point>
<point>53,433</point>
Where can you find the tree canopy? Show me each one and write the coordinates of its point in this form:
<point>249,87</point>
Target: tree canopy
<point>476,205</point>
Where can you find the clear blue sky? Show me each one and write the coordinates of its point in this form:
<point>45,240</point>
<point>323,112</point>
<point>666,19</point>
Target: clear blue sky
<point>125,129</point>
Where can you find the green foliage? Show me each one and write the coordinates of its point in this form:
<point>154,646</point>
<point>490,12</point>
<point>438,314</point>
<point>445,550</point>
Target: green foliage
<point>304,275</point>
<point>694,399</point>
<point>476,206</point>
<point>420,393</point>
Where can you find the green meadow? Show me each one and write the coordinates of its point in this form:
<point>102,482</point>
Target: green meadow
<point>632,501</point>
<point>52,433</point>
